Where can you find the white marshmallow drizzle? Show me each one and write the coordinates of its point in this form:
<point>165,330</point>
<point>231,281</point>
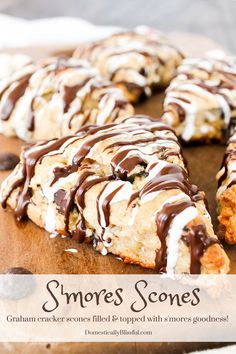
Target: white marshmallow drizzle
<point>145,149</point>
<point>207,85</point>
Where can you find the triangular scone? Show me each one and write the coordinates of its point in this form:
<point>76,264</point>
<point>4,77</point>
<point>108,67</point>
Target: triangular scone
<point>200,103</point>
<point>55,97</point>
<point>226,194</point>
<point>136,61</point>
<point>124,186</point>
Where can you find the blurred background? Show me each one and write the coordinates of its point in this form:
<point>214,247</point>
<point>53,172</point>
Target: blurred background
<point>212,18</point>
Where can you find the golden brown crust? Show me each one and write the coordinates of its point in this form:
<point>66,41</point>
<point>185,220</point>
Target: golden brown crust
<point>76,186</point>
<point>66,99</point>
<point>135,61</point>
<point>215,261</point>
<point>137,261</point>
<point>227,217</point>
<point>197,103</point>
<point>133,95</point>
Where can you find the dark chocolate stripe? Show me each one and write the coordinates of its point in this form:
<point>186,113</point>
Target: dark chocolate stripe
<point>80,195</point>
<point>70,93</point>
<point>106,204</point>
<point>30,162</point>
<point>13,96</point>
<point>69,199</point>
<point>229,155</point>
<point>164,219</point>
<point>198,240</point>
<point>123,164</point>
<point>171,176</point>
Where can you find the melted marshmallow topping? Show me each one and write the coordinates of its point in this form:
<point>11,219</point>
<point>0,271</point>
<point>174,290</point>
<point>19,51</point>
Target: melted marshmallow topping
<point>131,167</point>
<point>136,60</point>
<point>55,97</point>
<point>226,176</point>
<point>200,102</point>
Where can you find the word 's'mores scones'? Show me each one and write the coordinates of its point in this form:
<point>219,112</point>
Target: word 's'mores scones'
<point>200,103</point>
<point>55,97</point>
<point>226,194</point>
<point>124,186</point>
<point>136,61</point>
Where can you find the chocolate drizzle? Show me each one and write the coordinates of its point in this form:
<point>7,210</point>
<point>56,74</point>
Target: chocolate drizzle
<point>198,241</point>
<point>71,91</point>
<point>230,156</point>
<point>83,188</point>
<point>216,85</point>
<point>126,160</point>
<point>13,96</point>
<point>164,219</point>
<point>149,47</point>
<point>60,200</point>
<point>30,159</point>
<point>179,109</point>
<point>170,177</point>
<point>79,234</point>
<point>52,83</point>
<point>86,147</point>
<point>71,197</point>
<point>123,164</point>
<point>106,204</point>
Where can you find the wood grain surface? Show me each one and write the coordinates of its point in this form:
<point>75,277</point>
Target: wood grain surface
<point>26,245</point>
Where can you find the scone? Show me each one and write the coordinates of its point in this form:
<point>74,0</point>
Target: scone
<point>226,194</point>
<point>200,103</point>
<point>55,97</point>
<point>137,61</point>
<point>126,188</point>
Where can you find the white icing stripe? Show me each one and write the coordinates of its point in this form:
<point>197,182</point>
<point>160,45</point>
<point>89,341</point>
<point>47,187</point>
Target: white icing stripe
<point>50,219</point>
<point>134,212</point>
<point>106,106</point>
<point>152,172</point>
<point>47,88</point>
<point>204,103</point>
<point>147,197</point>
<point>143,151</point>
<point>120,60</point>
<point>175,233</point>
<point>191,88</point>
<point>231,176</point>
<point>123,194</point>
<point>173,199</point>
<point>49,192</point>
<point>124,55</point>
<point>225,108</point>
<point>190,116</point>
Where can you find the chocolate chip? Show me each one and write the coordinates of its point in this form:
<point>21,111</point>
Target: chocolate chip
<point>8,161</point>
<point>132,177</point>
<point>60,200</point>
<point>13,287</point>
<point>17,270</point>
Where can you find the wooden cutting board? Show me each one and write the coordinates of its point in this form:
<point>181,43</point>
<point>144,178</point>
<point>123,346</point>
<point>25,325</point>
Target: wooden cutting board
<point>26,245</point>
